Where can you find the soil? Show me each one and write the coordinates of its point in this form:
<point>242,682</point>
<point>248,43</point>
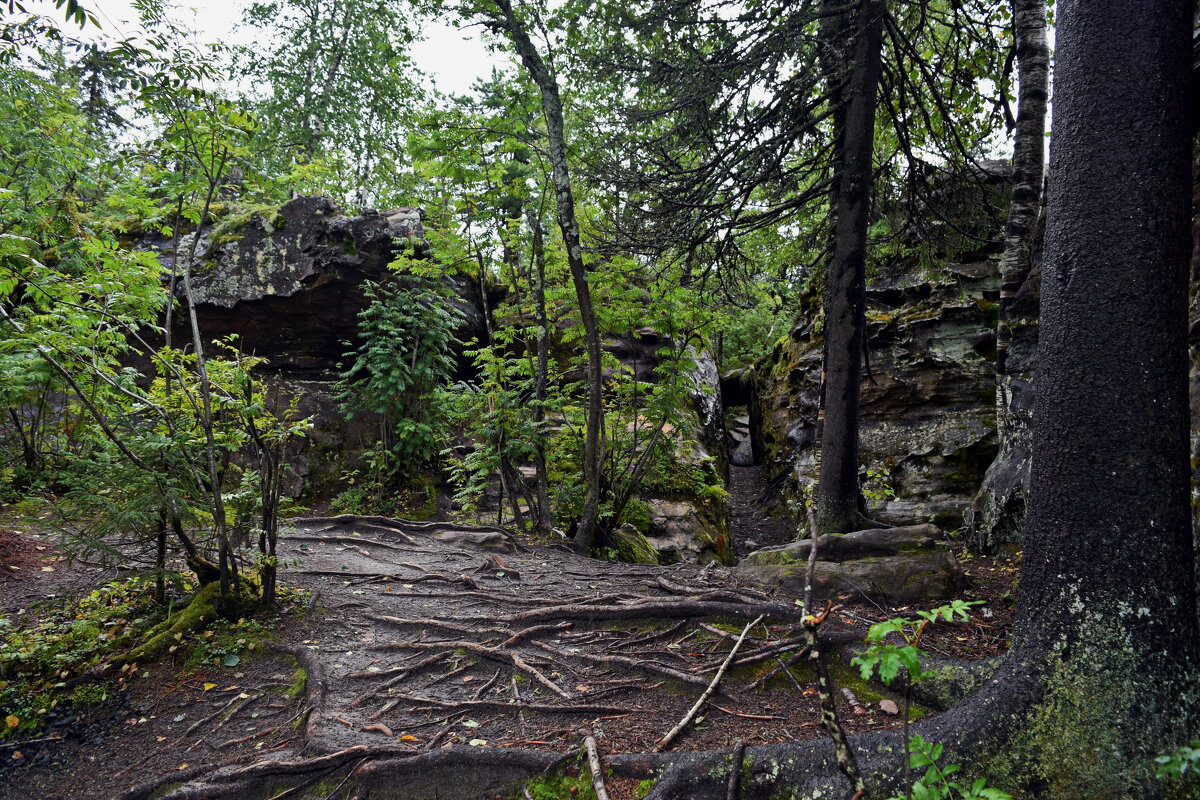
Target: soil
<point>422,646</point>
<point>754,523</point>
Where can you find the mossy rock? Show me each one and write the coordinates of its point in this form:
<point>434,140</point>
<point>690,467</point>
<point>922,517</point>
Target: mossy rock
<point>632,547</point>
<point>896,565</point>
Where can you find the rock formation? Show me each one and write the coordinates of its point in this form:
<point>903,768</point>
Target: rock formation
<point>928,408</point>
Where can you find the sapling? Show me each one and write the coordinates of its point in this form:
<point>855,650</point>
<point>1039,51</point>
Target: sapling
<point>889,659</point>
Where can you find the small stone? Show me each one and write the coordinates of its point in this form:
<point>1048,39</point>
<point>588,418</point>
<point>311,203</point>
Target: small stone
<point>889,707</point>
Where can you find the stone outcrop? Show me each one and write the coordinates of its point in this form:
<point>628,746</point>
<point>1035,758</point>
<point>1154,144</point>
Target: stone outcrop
<point>289,283</point>
<point>928,408</point>
<point>893,565</point>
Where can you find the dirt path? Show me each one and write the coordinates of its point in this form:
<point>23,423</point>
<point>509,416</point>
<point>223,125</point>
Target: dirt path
<point>750,525</point>
<point>420,642</point>
<point>459,650</point>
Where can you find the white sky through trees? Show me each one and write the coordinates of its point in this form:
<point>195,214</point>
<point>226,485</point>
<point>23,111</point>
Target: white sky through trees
<point>455,59</point>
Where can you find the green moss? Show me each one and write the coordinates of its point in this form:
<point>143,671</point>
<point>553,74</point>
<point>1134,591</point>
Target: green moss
<point>644,788</point>
<point>631,547</point>
<point>298,680</point>
<point>1094,732</point>
<point>559,787</point>
<point>198,613</point>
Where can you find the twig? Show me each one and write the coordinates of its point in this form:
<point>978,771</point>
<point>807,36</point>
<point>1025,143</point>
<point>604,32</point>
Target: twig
<point>479,692</point>
<point>852,700</point>
<point>665,742</point>
<point>597,768</point>
<point>733,713</point>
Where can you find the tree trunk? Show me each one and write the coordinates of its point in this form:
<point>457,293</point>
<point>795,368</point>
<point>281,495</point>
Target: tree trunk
<point>997,518</point>
<point>545,519</point>
<point>845,302</point>
<point>1105,665</point>
<point>1033,71</point>
<point>585,533</point>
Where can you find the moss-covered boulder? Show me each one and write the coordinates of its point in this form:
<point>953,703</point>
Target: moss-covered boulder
<point>893,565</point>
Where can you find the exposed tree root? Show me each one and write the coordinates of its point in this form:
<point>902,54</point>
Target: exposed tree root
<point>493,653</point>
<point>660,609</point>
<point>316,686</point>
<point>539,707</point>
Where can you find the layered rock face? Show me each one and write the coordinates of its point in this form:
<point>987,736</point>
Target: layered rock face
<point>928,408</point>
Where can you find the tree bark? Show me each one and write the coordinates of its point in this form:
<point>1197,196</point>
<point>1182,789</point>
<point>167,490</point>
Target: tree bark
<point>845,300</point>
<point>997,518</point>
<point>585,533</point>
<point>545,518</point>
<point>1033,74</point>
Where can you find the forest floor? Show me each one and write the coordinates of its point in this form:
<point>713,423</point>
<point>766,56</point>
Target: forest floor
<point>415,637</point>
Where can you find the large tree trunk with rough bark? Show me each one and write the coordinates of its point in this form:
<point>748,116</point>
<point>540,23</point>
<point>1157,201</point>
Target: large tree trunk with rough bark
<point>845,297</point>
<point>1104,672</point>
<point>547,84</point>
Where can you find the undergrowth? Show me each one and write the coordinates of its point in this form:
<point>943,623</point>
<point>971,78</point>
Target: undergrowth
<point>37,662</point>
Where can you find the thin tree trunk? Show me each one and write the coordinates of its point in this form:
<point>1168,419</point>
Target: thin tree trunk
<point>545,519</point>
<point>585,533</point>
<point>1033,73</point>
<point>845,321</point>
<point>226,558</point>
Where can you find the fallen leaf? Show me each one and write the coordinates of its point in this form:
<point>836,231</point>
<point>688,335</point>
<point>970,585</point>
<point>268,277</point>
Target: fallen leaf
<point>889,707</point>
<point>184,765</point>
<point>47,569</point>
<point>477,742</point>
<point>208,687</point>
<point>160,738</point>
<point>470,723</point>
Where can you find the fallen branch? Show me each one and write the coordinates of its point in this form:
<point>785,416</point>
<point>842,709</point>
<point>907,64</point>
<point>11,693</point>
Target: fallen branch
<point>596,767</point>
<point>744,715</point>
<point>735,772</point>
<point>665,742</point>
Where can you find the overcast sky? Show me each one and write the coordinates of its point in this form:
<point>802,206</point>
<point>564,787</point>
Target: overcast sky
<point>455,59</point>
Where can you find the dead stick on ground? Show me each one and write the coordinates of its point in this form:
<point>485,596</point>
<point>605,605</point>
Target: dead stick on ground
<point>597,768</point>
<point>665,742</point>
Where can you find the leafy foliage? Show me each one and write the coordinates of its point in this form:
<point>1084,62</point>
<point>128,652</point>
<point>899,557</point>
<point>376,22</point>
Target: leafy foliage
<point>399,367</point>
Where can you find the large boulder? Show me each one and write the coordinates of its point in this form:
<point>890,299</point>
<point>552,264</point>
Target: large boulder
<point>893,565</point>
<point>289,281</point>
